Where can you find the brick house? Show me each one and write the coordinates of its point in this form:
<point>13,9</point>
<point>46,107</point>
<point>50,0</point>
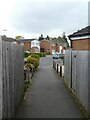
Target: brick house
<point>45,46</point>
<point>80,40</point>
<point>51,46</point>
<point>26,43</point>
<point>31,45</point>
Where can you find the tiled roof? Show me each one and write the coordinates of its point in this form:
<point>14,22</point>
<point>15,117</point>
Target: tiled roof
<point>25,40</point>
<point>82,32</point>
<point>4,38</point>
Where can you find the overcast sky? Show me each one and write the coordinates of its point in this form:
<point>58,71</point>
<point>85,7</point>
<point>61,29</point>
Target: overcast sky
<point>30,18</point>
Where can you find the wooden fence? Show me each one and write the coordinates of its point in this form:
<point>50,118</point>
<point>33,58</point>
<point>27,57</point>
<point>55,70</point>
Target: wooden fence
<point>11,78</point>
<point>76,75</point>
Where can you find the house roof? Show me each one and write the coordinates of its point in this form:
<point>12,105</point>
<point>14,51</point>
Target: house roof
<point>83,32</point>
<point>8,39</point>
<point>25,40</point>
<point>58,42</point>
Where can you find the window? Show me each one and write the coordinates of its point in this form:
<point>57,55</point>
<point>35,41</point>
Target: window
<point>32,43</point>
<point>37,43</point>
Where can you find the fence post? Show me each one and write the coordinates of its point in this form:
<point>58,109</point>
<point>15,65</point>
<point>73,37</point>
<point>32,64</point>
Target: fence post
<point>57,68</point>
<point>1,89</point>
<point>60,71</point>
<point>53,64</point>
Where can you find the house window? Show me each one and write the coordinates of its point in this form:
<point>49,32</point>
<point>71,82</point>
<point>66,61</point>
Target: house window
<point>37,43</point>
<point>32,43</point>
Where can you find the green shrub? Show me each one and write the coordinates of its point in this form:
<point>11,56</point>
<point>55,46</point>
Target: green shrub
<point>33,61</point>
<point>35,56</point>
<point>38,54</point>
<point>26,54</point>
<point>62,57</point>
<point>43,54</point>
<point>29,66</point>
<point>48,53</point>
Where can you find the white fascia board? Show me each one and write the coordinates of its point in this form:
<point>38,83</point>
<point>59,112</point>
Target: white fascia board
<point>82,37</point>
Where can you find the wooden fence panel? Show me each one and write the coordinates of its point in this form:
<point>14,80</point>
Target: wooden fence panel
<point>76,66</point>
<point>67,69</point>
<point>11,78</point>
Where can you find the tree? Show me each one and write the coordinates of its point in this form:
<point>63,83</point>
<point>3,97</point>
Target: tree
<point>65,38</point>
<point>59,38</point>
<point>54,38</point>
<point>41,37</point>
<point>19,37</point>
<point>48,38</point>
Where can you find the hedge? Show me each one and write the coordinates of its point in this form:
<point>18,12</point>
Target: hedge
<point>41,54</point>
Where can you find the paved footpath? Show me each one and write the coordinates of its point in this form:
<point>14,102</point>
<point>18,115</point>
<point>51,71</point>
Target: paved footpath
<point>48,97</point>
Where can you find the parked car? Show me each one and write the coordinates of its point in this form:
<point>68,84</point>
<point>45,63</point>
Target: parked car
<point>56,55</point>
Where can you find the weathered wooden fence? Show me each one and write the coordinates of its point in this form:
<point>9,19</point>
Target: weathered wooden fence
<point>76,75</point>
<point>11,78</point>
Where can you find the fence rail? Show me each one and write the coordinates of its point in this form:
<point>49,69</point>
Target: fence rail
<point>11,78</point>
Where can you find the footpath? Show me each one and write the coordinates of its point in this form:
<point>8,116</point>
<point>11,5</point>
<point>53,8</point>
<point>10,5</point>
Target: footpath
<point>48,97</point>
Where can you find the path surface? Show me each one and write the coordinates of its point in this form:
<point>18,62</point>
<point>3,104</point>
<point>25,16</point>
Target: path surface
<point>48,97</point>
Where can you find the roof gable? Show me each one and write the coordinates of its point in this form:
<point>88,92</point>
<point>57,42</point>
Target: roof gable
<point>83,32</point>
<point>25,40</point>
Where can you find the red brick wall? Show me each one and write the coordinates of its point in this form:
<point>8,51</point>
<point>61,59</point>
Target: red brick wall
<point>46,45</point>
<point>54,48</point>
<point>81,44</point>
<point>57,47</point>
<point>27,46</point>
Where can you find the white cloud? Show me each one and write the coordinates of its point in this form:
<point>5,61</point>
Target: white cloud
<point>49,17</point>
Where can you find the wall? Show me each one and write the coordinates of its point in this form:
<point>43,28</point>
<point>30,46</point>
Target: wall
<point>35,44</point>
<point>12,79</point>
<point>76,74</point>
<point>80,44</point>
<point>27,46</point>
<point>57,47</point>
<point>46,45</point>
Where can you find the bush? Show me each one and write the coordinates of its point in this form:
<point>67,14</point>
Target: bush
<point>43,54</point>
<point>62,57</point>
<point>35,56</point>
<point>29,66</point>
<point>26,54</point>
<point>48,53</point>
<point>38,54</point>
<point>33,61</point>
